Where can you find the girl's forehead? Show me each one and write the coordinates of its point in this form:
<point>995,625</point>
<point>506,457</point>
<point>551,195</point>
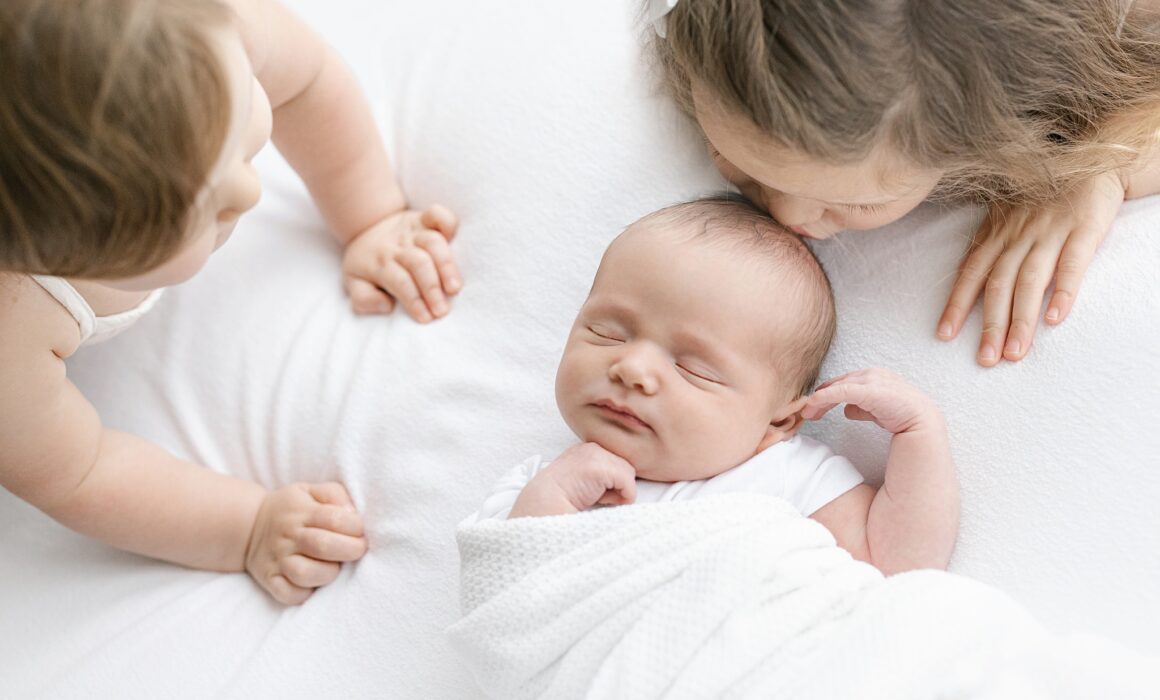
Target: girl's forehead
<point>881,176</point>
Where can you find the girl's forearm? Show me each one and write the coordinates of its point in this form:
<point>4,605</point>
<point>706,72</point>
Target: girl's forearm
<point>140,498</point>
<point>914,517</point>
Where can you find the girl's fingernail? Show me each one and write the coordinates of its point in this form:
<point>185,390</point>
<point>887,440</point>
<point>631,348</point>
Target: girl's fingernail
<point>944,329</point>
<point>987,353</point>
<point>1053,314</point>
<point>453,284</point>
<point>383,307</point>
<point>440,307</point>
<point>1013,347</point>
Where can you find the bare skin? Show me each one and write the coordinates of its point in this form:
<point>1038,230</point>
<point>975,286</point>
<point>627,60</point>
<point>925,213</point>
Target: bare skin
<point>54,452</point>
<point>659,384</point>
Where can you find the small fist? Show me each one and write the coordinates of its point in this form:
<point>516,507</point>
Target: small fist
<point>301,535</point>
<point>583,476</point>
<point>876,395</point>
<point>588,474</point>
<point>404,259</point>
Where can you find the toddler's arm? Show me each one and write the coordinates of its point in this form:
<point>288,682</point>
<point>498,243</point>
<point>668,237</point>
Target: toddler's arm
<point>581,477</point>
<point>912,520</point>
<point>55,454</point>
<point>324,127</point>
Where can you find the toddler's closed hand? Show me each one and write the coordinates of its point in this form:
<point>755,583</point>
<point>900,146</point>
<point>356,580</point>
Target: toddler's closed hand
<point>404,259</point>
<point>301,535</point>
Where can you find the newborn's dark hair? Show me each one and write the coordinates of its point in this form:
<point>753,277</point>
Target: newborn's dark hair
<point>732,220</point>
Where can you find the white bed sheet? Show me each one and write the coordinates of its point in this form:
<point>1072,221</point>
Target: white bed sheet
<point>537,123</point>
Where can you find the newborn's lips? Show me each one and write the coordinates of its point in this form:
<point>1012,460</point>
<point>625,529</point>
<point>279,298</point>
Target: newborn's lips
<point>621,414</point>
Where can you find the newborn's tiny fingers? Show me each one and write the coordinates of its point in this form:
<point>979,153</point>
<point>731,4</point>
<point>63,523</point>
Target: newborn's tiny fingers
<point>305,572</point>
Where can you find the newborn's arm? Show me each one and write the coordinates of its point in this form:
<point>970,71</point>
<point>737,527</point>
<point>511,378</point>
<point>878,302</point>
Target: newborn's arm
<point>582,476</point>
<point>911,521</point>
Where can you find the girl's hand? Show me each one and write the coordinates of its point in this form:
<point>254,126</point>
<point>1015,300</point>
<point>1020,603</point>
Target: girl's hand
<point>1013,257</point>
<point>301,535</point>
<point>581,477</point>
<point>876,395</point>
<point>404,259</point>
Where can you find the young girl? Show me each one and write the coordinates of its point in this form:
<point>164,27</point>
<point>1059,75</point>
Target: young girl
<point>846,115</point>
<point>127,128</point>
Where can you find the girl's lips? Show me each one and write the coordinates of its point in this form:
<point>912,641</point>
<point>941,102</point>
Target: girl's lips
<point>620,414</point>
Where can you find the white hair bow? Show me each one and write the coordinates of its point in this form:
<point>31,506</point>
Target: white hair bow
<point>658,10</point>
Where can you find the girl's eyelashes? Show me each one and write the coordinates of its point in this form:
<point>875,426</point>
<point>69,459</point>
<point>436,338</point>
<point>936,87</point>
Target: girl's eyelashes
<point>864,208</point>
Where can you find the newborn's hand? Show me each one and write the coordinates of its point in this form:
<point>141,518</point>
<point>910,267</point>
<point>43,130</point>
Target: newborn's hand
<point>301,534</point>
<point>1013,257</point>
<point>404,259</point>
<point>876,395</point>
<point>583,476</point>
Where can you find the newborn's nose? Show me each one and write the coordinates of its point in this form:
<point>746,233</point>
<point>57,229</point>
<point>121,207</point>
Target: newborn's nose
<point>636,369</point>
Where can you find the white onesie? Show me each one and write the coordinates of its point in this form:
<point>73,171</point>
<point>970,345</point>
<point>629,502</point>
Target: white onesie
<point>93,328</point>
<point>801,470</point>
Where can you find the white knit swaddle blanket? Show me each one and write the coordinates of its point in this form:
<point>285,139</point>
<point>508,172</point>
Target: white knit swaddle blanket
<point>740,596</point>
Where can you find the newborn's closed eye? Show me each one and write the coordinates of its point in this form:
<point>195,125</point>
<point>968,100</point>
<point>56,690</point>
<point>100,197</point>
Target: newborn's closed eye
<point>606,334</point>
<point>695,372</point>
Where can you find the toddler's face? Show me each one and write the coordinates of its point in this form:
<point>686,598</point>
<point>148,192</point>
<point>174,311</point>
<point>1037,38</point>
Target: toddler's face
<point>233,186</point>
<point>670,362</point>
<point>813,198</point>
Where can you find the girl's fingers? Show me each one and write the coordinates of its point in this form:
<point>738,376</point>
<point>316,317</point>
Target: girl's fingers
<point>1073,264</point>
<point>1030,284</point>
<point>366,298</point>
<point>426,279</point>
<point>305,572</point>
<point>997,306</point>
<point>969,284</point>
<point>440,251</point>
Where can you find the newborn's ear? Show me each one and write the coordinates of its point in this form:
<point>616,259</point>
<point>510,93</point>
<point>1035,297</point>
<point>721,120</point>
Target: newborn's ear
<point>785,423</point>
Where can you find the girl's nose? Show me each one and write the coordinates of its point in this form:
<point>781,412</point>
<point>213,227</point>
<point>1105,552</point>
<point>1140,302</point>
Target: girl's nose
<point>794,211</point>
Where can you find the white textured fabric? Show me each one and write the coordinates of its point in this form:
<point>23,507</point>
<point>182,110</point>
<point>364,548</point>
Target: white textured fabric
<point>93,328</point>
<point>538,124</point>
<point>739,596</point>
<point>801,470</point>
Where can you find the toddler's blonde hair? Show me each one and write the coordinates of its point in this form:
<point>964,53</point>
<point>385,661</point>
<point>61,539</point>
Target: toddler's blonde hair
<point>112,114</point>
<point>1013,100</point>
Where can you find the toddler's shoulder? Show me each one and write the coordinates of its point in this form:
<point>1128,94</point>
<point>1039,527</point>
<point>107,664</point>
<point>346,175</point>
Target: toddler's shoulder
<point>32,321</point>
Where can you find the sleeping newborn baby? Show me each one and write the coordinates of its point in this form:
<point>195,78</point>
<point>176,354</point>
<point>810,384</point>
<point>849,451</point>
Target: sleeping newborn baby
<point>688,372</point>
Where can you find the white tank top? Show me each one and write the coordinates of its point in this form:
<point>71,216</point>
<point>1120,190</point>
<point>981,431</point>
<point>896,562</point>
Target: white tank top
<point>94,328</point>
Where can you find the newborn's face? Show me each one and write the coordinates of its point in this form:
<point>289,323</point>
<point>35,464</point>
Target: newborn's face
<point>670,361</point>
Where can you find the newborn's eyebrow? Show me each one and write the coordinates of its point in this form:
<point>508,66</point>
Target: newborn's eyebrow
<point>703,348</point>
